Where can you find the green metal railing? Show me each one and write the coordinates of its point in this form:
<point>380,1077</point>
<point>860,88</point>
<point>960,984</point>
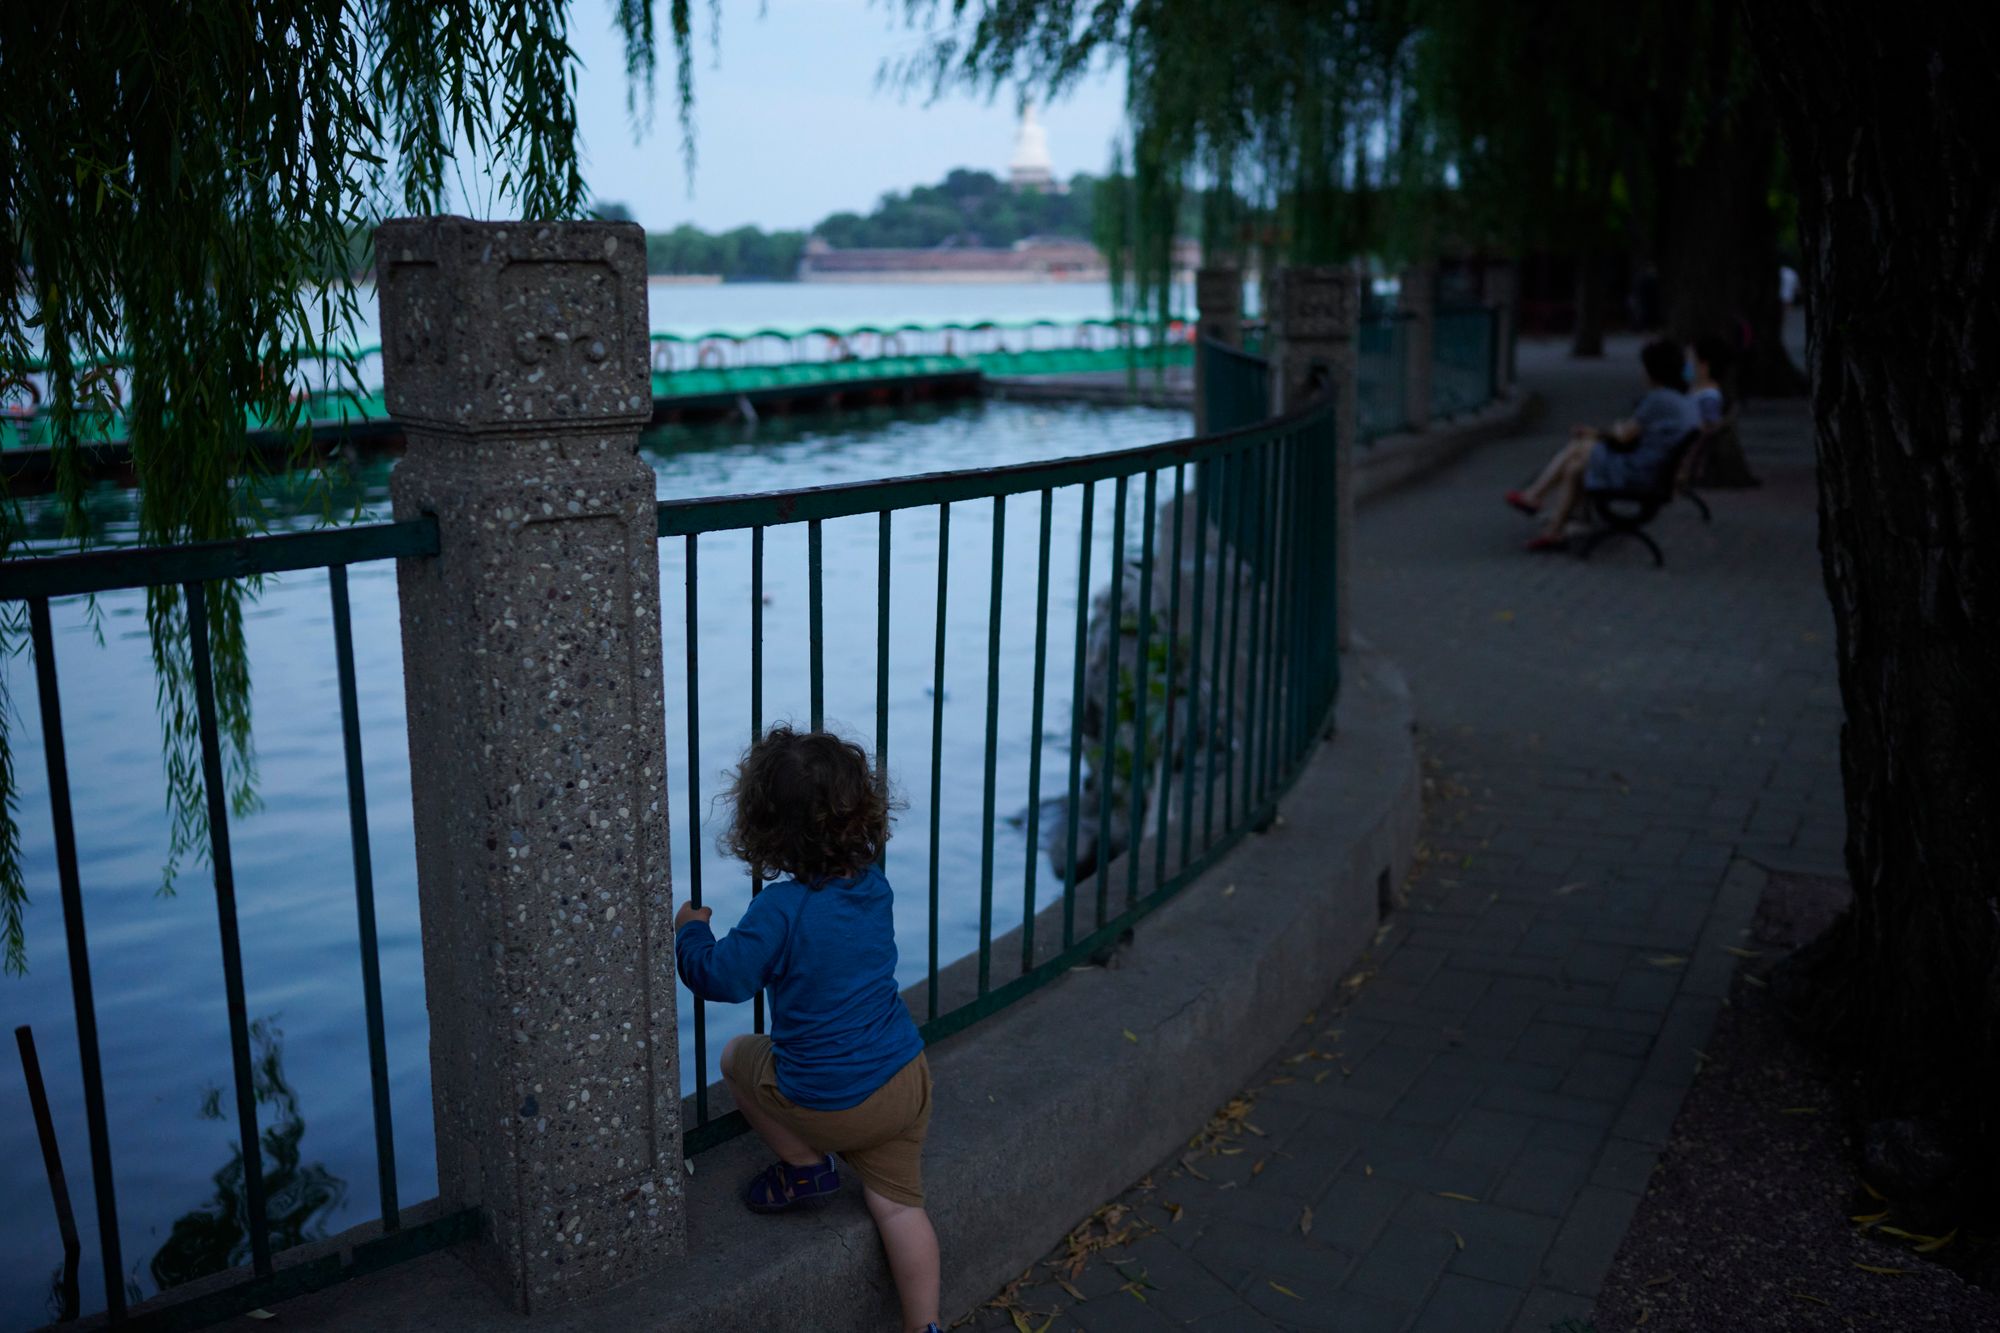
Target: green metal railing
<point>195,569</point>
<point>345,386</point>
<point>1381,348</point>
<point>1256,618</point>
<point>1464,342</point>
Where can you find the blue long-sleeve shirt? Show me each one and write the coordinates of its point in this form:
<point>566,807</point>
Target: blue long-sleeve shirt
<point>839,1029</point>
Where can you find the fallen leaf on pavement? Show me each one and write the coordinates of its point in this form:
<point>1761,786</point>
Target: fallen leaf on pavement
<point>1283,1290</point>
<point>1453,1194</point>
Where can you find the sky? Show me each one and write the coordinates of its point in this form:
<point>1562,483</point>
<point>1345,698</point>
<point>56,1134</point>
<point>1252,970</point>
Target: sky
<point>791,124</point>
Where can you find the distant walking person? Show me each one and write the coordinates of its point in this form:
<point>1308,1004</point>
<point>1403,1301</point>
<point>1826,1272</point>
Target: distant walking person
<point>843,1070</point>
<point>1627,455</point>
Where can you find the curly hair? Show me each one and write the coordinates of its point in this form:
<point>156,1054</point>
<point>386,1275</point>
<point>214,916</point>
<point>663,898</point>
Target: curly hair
<point>806,805</point>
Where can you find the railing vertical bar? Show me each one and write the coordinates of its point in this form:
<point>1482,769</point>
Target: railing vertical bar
<point>1260,607</point>
<point>1225,573</point>
<point>1136,809</point>
<point>756,706</point>
<point>882,657</point>
<point>1168,700</point>
<point>257,1222</point>
<point>84,998</point>
<point>1294,623</point>
<point>1072,811</point>
<point>1261,681</point>
<point>364,898</point>
<point>937,744</point>
<point>992,746</point>
<point>1238,483</point>
<point>1281,583</point>
<point>1107,755</point>
<point>1035,734</point>
<point>1196,742</point>
<point>693,586</point>
<point>817,633</point>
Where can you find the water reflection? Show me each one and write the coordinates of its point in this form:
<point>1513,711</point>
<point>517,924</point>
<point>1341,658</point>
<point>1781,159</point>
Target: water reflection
<point>300,1197</point>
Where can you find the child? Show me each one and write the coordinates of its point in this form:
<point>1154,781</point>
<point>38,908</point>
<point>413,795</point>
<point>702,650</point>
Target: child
<point>843,1069</point>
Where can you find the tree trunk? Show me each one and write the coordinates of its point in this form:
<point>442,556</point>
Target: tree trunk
<point>1589,336</point>
<point>1719,244</point>
<point>1887,117</point>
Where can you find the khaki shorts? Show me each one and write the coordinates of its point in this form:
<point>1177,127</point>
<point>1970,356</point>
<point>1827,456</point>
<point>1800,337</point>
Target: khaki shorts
<point>882,1138</point>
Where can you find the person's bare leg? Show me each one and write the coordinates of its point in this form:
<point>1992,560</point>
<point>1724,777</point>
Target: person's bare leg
<point>1565,458</point>
<point>1569,491</point>
<point>780,1140</point>
<point>911,1244</point>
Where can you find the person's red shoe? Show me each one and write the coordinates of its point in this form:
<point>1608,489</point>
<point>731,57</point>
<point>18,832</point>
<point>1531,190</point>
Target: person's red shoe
<point>1546,542</point>
<point>1522,503</point>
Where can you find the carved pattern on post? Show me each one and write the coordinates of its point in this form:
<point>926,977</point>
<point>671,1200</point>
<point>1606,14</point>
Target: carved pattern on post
<point>1313,326</point>
<point>1313,310</point>
<point>552,335</point>
<point>516,357</point>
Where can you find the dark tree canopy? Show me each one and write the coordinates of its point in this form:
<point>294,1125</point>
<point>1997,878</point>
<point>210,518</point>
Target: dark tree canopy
<point>1317,130</point>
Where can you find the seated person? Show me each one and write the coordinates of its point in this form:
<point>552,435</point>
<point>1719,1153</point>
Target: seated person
<point>1710,356</point>
<point>1626,456</point>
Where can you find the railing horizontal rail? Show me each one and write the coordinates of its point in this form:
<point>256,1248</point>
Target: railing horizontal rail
<point>206,562</point>
<point>680,518</point>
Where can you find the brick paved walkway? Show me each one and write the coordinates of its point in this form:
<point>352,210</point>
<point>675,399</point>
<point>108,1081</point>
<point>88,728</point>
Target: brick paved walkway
<point>1458,1139</point>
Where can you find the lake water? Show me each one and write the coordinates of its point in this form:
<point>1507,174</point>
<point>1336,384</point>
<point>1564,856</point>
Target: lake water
<point>155,959</point>
<point>741,307</point>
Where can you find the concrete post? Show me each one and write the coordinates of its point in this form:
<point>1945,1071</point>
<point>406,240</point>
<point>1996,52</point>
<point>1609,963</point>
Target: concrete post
<point>1499,288</point>
<point>514,354</point>
<point>1313,324</point>
<point>1416,302</point>
<point>1218,300</point>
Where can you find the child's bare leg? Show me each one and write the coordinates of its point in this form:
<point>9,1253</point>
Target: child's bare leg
<point>789,1146</point>
<point>913,1257</point>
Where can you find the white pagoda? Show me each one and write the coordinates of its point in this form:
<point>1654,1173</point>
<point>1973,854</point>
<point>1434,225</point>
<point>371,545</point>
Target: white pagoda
<point>1030,167</point>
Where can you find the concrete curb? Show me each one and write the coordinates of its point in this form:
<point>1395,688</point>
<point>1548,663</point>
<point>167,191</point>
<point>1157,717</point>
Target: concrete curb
<point>1043,1111</point>
<point>1397,460</point>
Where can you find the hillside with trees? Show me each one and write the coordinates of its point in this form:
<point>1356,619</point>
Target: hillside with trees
<point>966,208</point>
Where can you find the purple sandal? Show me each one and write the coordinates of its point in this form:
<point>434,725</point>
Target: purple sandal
<point>781,1185</point>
